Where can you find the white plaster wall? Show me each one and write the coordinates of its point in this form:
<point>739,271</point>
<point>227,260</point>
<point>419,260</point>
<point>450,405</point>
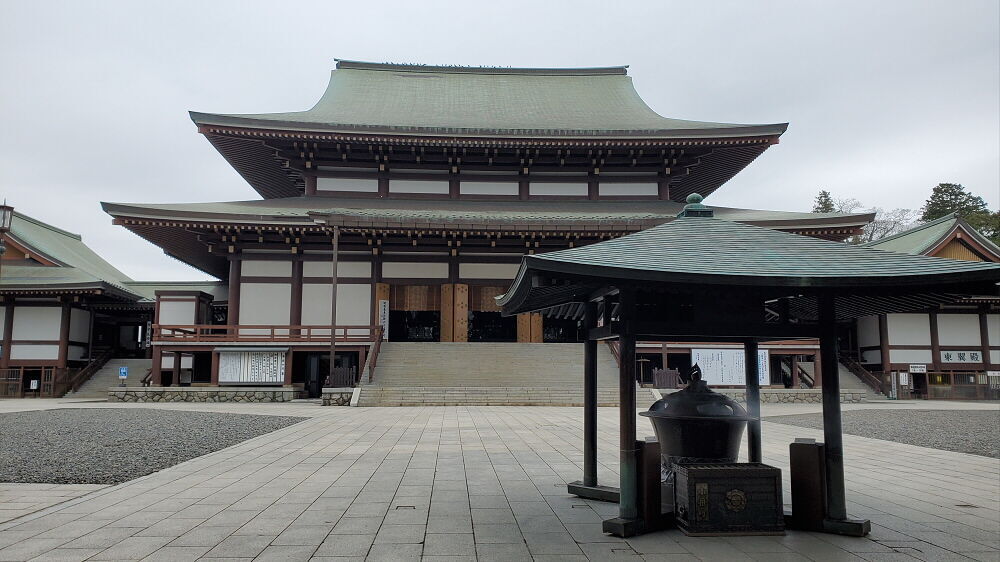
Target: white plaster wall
<point>995,357</point>
<point>909,329</point>
<point>868,331</point>
<point>347,184</point>
<point>79,325</point>
<point>262,268</point>
<point>37,323</point>
<point>558,188</point>
<point>353,304</point>
<point>344,269</point>
<point>490,188</point>
<point>34,352</point>
<point>265,303</point>
<point>628,189</point>
<point>418,186</point>
<point>488,270</point>
<point>959,329</point>
<point>167,362</point>
<point>177,312</point>
<point>993,328</point>
<point>414,270</point>
<point>910,356</point>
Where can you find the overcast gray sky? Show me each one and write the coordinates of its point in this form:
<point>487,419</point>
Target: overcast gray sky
<point>884,99</point>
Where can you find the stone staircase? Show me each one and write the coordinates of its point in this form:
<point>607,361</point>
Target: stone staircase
<point>97,386</point>
<point>487,374</point>
<point>848,381</point>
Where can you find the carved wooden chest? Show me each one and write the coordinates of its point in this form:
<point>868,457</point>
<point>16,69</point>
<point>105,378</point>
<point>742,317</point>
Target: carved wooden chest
<point>728,499</point>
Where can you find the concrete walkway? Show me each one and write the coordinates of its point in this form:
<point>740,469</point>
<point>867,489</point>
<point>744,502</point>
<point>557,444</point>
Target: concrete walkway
<point>486,483</point>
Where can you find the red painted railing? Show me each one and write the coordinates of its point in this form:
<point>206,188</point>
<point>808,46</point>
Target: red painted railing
<point>263,333</point>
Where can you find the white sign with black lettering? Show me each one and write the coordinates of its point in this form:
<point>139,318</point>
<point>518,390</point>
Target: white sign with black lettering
<point>252,367</point>
<point>383,318</point>
<point>728,366</point>
<point>918,368</point>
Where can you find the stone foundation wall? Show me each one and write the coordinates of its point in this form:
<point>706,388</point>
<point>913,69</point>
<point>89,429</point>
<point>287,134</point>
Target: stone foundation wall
<point>788,395</point>
<point>201,394</point>
<point>337,396</point>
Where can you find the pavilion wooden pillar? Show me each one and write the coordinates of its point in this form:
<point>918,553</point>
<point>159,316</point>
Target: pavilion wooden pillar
<point>176,378</point>
<point>156,373</point>
<point>590,397</point>
<point>8,329</point>
<point>753,399</point>
<point>795,371</point>
<point>333,301</point>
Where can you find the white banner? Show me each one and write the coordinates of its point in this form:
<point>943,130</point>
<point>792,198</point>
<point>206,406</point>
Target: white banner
<point>728,366</point>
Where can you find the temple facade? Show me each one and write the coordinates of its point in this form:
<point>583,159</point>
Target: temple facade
<point>401,204</point>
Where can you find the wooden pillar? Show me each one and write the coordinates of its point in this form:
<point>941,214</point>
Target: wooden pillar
<point>833,440</point>
<point>593,186</point>
<point>537,328</point>
<point>984,338</point>
<point>310,186</point>
<point>295,312</point>
<point>448,312</point>
<point>883,342</point>
<point>628,502</point>
<point>178,357</point>
<point>288,368</point>
<point>818,368</point>
<point>461,324</point>
<point>663,187</point>
<point>522,188</point>
<point>523,328</point>
<point>795,371</point>
<point>215,368</point>
<point>8,329</point>
<point>335,258</point>
<point>750,361</point>
<point>664,355</point>
<point>935,340</point>
<point>235,272</point>
<point>589,397</point>
<point>64,326</point>
<point>383,185</point>
<point>454,187</point>
<point>156,373</point>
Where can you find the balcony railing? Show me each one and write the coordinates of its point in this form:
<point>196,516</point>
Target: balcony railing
<point>212,333</point>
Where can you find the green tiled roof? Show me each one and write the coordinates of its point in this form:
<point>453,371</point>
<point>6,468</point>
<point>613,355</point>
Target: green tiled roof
<point>922,238</point>
<point>521,102</point>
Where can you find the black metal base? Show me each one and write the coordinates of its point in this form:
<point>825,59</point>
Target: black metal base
<point>849,527</point>
<point>624,528</point>
<point>600,493</point>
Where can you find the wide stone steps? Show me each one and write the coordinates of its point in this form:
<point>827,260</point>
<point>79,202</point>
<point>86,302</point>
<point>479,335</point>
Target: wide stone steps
<point>449,373</point>
<point>482,396</point>
<point>97,386</point>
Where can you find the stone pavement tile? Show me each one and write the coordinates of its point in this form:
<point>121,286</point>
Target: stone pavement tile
<point>414,491</point>
<point>687,558</point>
<point>664,542</point>
<point>70,530</point>
<point>895,556</point>
<point>170,527</point>
<point>67,555</point>
<point>357,526</point>
<point>141,519</point>
<point>203,536</point>
<point>708,548</point>
<point>497,533</point>
<point>231,518</point>
<point>541,524</point>
<point>458,496</point>
<point>346,545</point>
<point>243,546</point>
<point>451,544</point>
<point>449,524</point>
<point>133,548</point>
<point>560,558</point>
<point>610,551</point>
<point>400,534</point>
<point>584,514</point>
<point>954,543</point>
<point>532,508</point>
<point>492,502</point>
<point>449,508</point>
<point>394,553</point>
<point>440,558</point>
<point>302,535</point>
<point>852,544</point>
<point>550,543</point>
<point>502,552</point>
<point>373,509</point>
<point>589,532</point>
<point>27,549</point>
<point>102,538</point>
<point>495,516</point>
<point>177,554</point>
<point>982,556</point>
<point>758,544</point>
<point>286,553</point>
<point>331,504</point>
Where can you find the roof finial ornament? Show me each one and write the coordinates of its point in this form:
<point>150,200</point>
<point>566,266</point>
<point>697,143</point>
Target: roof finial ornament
<point>694,207</point>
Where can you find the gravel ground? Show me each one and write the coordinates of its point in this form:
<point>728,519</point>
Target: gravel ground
<point>110,446</point>
<point>970,431</point>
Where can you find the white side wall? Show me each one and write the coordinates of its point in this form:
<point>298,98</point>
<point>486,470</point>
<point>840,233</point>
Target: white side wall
<point>353,304</point>
<point>439,187</point>
<point>606,189</point>
<point>37,323</point>
<point>79,325</point>
<point>34,352</point>
<point>993,325</point>
<point>346,184</point>
<point>488,270</point>
<point>959,329</point>
<point>490,188</point>
<point>265,303</point>
<point>909,329</point>
<point>344,269</point>
<point>177,312</point>
<point>414,270</point>
<point>868,331</point>
<point>575,189</point>
<point>910,356</point>
<point>262,268</point>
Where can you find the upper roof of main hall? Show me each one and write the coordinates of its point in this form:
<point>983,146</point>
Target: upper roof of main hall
<point>409,99</point>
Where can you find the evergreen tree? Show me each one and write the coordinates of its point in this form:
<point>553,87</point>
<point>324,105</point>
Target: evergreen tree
<point>952,198</point>
<point>823,203</point>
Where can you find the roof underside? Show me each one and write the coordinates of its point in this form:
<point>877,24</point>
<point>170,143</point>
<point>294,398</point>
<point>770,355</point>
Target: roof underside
<point>706,253</point>
<point>427,100</point>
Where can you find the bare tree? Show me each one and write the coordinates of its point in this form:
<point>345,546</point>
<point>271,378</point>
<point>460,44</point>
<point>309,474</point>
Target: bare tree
<point>886,223</point>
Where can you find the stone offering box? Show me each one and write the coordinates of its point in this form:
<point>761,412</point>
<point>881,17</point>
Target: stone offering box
<point>728,499</point>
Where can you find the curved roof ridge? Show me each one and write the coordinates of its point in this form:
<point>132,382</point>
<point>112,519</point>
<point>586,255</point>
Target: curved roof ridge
<point>48,226</point>
<point>460,69</point>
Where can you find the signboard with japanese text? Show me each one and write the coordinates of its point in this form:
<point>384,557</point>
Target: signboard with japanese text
<point>970,356</point>
<point>728,366</point>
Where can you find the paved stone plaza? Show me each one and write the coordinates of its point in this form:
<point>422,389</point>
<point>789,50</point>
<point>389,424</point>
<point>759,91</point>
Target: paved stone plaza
<point>468,483</point>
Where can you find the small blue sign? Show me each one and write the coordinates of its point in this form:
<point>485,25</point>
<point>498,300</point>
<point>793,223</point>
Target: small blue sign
<point>123,372</point>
